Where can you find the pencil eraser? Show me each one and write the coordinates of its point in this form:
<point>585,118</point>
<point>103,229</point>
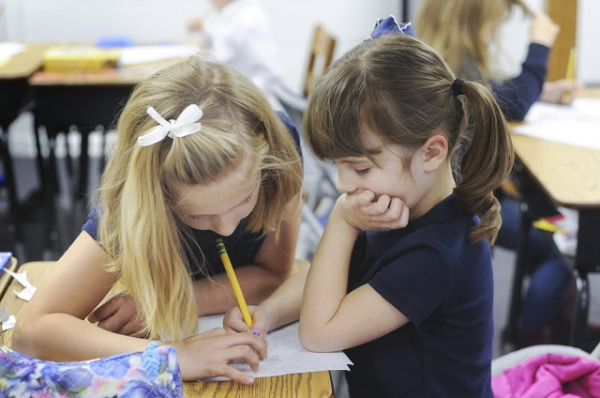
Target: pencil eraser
<point>5,258</point>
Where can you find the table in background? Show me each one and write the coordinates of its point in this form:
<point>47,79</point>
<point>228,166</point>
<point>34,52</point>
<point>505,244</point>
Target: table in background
<point>14,97</point>
<point>302,385</point>
<point>570,177</point>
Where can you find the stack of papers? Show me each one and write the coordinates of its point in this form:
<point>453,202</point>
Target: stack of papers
<point>286,354</point>
<point>8,50</point>
<point>143,54</point>
<point>577,124</point>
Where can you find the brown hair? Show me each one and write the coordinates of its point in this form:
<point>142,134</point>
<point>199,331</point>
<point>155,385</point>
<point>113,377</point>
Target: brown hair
<point>140,227</point>
<point>401,89</point>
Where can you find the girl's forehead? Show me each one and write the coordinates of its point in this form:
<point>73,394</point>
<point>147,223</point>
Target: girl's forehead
<point>218,197</point>
<point>231,183</point>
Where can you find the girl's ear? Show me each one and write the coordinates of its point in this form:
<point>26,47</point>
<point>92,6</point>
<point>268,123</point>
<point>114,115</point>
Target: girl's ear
<point>434,152</point>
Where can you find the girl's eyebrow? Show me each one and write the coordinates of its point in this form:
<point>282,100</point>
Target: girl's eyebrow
<point>361,159</point>
<point>353,160</point>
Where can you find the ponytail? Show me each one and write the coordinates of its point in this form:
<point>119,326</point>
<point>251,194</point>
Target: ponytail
<point>486,163</point>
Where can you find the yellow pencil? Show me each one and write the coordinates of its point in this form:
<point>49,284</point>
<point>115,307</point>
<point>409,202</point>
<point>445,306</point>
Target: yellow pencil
<point>570,73</point>
<point>546,225</point>
<point>237,290</point>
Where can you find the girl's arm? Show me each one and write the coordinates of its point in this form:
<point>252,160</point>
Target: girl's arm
<point>52,326</point>
<point>274,263</point>
<point>332,319</point>
<point>258,281</point>
<point>69,292</point>
<point>281,308</point>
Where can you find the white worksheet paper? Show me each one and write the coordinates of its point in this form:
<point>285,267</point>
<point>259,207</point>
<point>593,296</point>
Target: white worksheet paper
<point>577,124</point>
<point>285,353</point>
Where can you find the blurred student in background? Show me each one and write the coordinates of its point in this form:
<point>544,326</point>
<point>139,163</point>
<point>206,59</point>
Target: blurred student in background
<point>462,31</point>
<point>238,33</point>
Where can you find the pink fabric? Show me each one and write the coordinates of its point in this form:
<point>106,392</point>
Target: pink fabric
<point>550,376</point>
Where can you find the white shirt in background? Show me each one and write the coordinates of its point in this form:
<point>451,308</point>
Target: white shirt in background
<point>240,35</point>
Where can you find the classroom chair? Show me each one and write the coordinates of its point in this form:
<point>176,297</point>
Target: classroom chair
<point>320,57</point>
<point>319,177</point>
<point>535,204</point>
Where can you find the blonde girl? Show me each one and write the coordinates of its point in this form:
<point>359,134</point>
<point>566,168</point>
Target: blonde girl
<point>200,156</point>
<point>462,31</point>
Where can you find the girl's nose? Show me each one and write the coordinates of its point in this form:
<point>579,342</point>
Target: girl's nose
<point>225,225</point>
<point>344,182</point>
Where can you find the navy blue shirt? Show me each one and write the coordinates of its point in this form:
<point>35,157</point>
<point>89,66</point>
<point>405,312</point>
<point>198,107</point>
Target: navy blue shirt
<point>432,274</point>
<point>242,246</point>
<point>515,96</point>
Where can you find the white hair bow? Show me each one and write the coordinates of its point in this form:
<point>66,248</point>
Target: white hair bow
<point>184,125</point>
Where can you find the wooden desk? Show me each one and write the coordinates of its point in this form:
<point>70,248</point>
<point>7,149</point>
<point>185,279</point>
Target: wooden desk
<point>24,64</point>
<point>570,176</point>
<point>14,95</point>
<point>303,385</point>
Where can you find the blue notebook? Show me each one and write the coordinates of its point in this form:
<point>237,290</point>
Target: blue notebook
<point>5,258</point>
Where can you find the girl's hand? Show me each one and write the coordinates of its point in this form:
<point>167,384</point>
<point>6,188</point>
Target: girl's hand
<point>208,355</point>
<point>552,92</point>
<point>543,29</point>
<point>365,211</point>
<point>119,315</point>
<point>261,321</point>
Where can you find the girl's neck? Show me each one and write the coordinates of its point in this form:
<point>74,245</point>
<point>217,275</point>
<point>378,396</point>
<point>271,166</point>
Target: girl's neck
<point>440,188</point>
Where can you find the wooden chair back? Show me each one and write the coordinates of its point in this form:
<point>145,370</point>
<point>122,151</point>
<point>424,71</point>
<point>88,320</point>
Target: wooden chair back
<point>321,55</point>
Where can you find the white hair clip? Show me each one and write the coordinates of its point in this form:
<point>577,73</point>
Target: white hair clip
<point>184,125</point>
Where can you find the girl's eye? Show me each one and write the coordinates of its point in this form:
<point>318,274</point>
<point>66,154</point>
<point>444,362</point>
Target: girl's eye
<point>195,217</point>
<point>362,171</point>
<point>248,199</point>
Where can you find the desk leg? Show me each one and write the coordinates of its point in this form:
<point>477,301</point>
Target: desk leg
<point>582,309</point>
<point>50,191</point>
<point>587,259</point>
<point>522,263</point>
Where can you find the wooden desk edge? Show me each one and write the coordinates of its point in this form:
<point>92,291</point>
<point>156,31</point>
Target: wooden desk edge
<point>24,64</point>
<point>6,278</point>
<point>304,385</point>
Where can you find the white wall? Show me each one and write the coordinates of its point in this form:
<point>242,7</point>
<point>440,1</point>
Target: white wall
<point>515,32</point>
<point>158,20</point>
<point>588,41</point>
<point>293,21</point>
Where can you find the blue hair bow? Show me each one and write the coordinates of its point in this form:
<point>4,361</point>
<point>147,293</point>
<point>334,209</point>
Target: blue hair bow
<point>390,25</point>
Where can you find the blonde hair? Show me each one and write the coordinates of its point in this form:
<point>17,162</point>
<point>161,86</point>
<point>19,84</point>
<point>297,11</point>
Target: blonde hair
<point>401,89</point>
<point>140,228</point>
<point>455,28</point>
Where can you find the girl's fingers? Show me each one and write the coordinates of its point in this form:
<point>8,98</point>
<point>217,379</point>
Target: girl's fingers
<point>260,324</point>
<point>234,321</point>
<point>251,342</point>
<point>132,328</point>
<point>382,204</point>
<point>376,207</point>
<point>395,209</point>
<point>234,374</point>
<point>244,352</point>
